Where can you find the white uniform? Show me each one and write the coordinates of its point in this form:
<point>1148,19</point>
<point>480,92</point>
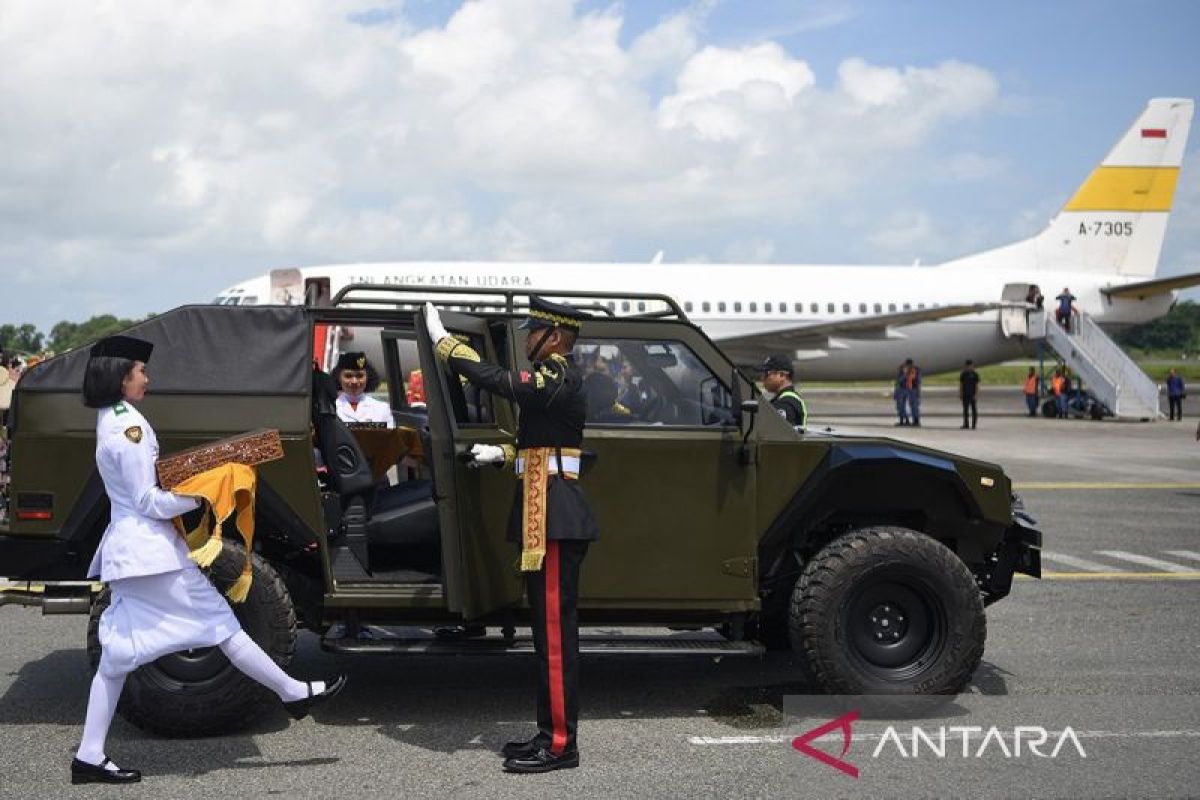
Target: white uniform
<point>161,602</point>
<point>369,410</point>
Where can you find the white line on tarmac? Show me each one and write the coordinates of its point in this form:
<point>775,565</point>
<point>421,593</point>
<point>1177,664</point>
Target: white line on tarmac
<point>1078,563</point>
<point>1184,554</point>
<point>719,741</point>
<point>1146,561</point>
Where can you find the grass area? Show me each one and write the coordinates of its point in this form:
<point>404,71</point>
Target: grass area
<point>1013,374</point>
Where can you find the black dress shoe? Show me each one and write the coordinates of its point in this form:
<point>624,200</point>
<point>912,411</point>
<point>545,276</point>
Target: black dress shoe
<point>542,760</point>
<point>525,748</point>
<point>299,708</point>
<point>454,633</point>
<point>83,772</point>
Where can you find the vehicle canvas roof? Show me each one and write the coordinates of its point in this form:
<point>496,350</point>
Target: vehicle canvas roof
<point>206,349</point>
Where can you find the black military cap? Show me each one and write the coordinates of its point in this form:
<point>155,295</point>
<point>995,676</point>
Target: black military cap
<point>544,314</point>
<point>122,347</point>
<point>777,363</point>
<point>351,360</point>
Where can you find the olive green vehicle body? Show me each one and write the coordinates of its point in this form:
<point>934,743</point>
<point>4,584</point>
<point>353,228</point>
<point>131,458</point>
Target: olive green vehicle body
<point>696,521</point>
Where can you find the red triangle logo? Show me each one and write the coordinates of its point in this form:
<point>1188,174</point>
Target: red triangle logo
<point>844,723</point>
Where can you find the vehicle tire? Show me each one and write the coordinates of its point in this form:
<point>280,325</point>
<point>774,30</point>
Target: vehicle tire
<point>198,692</point>
<point>888,582</point>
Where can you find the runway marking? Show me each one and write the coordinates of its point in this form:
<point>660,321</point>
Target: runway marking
<point>1077,563</point>
<point>725,741</point>
<point>1146,561</point>
<point>1084,486</point>
<point>1114,576</point>
<point>1184,554</point>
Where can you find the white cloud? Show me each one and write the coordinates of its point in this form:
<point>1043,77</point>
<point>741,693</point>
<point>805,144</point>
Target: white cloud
<point>154,152</point>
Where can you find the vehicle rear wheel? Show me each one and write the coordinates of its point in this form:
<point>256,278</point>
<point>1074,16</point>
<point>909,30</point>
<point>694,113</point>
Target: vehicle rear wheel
<point>888,610</point>
<point>198,692</point>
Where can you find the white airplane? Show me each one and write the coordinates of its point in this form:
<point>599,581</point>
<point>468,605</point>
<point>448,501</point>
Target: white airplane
<point>859,322</point>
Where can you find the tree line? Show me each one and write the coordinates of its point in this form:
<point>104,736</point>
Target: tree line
<point>27,339</point>
<point>1178,330</point>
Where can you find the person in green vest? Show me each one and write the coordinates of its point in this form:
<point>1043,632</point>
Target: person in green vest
<point>777,379</point>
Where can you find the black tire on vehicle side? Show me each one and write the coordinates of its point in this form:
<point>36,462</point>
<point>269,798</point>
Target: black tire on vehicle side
<point>198,692</point>
<point>888,610</point>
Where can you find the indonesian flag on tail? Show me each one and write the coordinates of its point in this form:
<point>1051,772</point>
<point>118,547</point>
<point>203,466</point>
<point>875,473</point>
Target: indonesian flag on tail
<point>1154,133</point>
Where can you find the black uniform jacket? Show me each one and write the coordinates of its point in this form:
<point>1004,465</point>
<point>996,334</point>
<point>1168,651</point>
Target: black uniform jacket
<point>553,410</point>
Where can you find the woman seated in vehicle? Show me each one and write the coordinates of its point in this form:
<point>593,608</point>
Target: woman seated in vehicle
<point>355,378</point>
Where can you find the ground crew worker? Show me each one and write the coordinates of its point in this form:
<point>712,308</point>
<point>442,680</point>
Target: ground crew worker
<point>777,379</point>
<point>1031,392</point>
<point>1058,385</point>
<point>968,391</point>
<point>912,391</point>
<point>551,517</point>
<point>161,602</point>
<point>1175,394</point>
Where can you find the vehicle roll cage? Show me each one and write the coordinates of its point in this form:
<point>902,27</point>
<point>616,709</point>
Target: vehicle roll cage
<point>505,300</point>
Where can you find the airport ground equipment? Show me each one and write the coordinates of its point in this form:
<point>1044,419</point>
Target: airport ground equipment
<point>724,531</point>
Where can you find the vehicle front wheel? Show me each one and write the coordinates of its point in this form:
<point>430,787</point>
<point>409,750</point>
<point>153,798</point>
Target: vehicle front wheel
<point>888,610</point>
<point>198,692</point>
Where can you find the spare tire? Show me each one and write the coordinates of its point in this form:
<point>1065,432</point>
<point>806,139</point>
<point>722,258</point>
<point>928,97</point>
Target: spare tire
<point>888,610</point>
<point>198,692</point>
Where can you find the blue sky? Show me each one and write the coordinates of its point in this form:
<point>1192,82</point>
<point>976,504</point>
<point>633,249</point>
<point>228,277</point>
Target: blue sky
<point>154,155</point>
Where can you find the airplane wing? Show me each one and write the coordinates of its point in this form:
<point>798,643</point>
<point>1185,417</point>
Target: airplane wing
<point>1144,289</point>
<point>878,326</point>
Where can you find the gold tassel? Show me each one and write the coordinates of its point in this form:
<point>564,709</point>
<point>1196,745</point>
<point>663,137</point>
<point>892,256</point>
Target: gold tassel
<point>532,562</point>
<point>207,553</point>
<point>241,587</point>
<point>203,530</point>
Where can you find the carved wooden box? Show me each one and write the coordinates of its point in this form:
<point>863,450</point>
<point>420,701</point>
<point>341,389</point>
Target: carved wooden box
<point>255,447</point>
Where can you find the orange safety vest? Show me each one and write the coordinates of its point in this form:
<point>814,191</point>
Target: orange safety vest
<point>1057,384</point>
<point>1031,385</point>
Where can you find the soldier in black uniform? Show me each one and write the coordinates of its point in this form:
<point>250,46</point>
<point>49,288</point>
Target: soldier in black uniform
<point>551,517</point>
<point>777,378</point>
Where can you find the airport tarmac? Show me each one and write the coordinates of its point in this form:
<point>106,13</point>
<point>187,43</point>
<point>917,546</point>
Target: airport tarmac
<point>1105,645</point>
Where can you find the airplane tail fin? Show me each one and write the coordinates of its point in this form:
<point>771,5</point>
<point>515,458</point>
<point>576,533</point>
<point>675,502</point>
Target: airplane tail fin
<point>1116,221</point>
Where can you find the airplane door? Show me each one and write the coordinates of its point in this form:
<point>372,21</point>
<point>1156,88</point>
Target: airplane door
<point>1014,321</point>
<point>479,566</point>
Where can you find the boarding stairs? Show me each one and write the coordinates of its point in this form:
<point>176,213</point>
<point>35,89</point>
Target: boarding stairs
<point>1112,376</point>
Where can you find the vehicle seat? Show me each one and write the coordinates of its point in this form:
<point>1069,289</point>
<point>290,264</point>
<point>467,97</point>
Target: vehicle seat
<point>405,514</point>
<point>349,469</point>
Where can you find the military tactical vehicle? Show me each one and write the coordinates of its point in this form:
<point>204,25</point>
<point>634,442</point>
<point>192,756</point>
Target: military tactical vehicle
<point>724,531</point>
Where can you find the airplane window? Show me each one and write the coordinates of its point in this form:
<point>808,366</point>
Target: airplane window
<point>878,307</point>
<point>891,306</point>
<point>907,307</point>
<point>783,307</point>
<point>754,307</point>
<point>845,308</point>
<point>920,305</point>
<point>721,306</point>
<point>831,308</point>
<point>641,305</point>
<point>737,306</point>
<point>705,306</point>
<point>766,306</point>
<point>624,305</point>
<point>687,306</point>
<point>612,306</point>
<point>862,308</point>
<point>814,308</point>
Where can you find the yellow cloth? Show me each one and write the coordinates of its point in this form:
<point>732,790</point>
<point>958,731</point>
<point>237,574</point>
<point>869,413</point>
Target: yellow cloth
<point>226,490</point>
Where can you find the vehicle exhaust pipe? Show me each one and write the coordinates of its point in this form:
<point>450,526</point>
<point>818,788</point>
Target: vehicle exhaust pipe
<point>53,598</point>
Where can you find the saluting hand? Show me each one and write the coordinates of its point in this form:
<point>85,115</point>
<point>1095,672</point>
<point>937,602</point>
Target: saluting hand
<point>433,323</point>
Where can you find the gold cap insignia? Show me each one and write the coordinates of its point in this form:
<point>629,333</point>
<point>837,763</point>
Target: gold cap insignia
<point>134,433</point>
<point>361,362</point>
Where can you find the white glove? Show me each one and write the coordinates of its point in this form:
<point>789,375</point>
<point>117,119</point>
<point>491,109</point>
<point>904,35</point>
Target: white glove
<point>433,323</point>
<point>486,454</point>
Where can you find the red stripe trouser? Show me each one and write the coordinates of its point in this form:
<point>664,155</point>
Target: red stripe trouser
<point>553,606</point>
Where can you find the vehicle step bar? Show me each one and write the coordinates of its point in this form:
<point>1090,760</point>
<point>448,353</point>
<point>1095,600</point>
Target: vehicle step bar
<point>379,641</point>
